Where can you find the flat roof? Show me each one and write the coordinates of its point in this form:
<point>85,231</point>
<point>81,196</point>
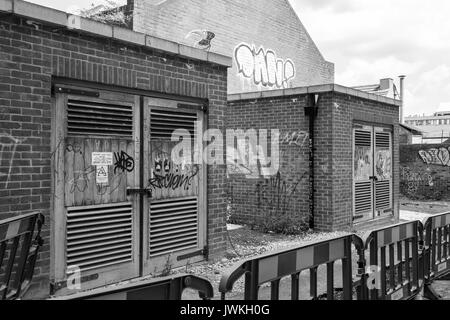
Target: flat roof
<point>59,18</point>
<point>313,89</point>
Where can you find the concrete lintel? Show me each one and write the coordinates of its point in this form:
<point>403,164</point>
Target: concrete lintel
<point>6,5</point>
<point>129,36</point>
<point>192,53</point>
<point>40,13</point>
<point>220,59</point>
<point>160,44</point>
<point>96,28</point>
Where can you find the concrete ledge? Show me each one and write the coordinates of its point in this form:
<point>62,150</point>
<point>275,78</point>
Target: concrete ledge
<point>129,36</point>
<point>82,25</point>
<point>192,53</point>
<point>310,90</point>
<point>6,5</point>
<point>34,11</point>
<point>160,44</point>
<point>96,28</point>
<point>220,59</point>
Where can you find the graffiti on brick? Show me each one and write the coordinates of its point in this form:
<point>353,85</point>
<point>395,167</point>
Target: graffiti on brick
<point>277,193</point>
<point>263,66</point>
<point>436,156</point>
<point>297,138</point>
<point>412,180</point>
<point>201,39</point>
<point>8,148</point>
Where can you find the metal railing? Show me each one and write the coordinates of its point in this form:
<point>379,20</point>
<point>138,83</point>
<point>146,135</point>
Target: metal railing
<point>436,253</point>
<point>19,248</point>
<point>170,288</point>
<point>273,267</point>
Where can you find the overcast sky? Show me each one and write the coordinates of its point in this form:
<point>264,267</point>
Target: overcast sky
<point>373,39</point>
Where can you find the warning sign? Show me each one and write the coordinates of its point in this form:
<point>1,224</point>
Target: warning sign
<point>102,158</point>
<point>102,175</point>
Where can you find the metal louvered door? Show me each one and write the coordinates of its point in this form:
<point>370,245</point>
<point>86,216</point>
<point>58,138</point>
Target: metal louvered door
<point>96,159</point>
<point>383,172</point>
<point>372,173</point>
<point>176,211</point>
<point>362,174</point>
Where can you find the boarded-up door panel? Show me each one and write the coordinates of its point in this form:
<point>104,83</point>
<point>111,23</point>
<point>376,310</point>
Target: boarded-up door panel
<point>97,222</point>
<point>383,170</point>
<point>363,171</point>
<point>177,213</point>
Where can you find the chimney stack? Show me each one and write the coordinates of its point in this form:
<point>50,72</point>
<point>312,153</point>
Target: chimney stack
<point>402,98</point>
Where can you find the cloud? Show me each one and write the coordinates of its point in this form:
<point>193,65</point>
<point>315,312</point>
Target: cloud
<point>372,39</point>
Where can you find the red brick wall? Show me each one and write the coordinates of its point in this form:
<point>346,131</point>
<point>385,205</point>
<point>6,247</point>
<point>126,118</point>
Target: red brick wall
<point>29,58</point>
<point>425,171</point>
<point>333,134</point>
<point>271,24</point>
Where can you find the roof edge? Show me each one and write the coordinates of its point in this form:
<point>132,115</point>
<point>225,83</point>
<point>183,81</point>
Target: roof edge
<point>313,89</point>
<point>72,22</point>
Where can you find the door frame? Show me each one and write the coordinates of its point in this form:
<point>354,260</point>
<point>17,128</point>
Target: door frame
<point>374,126</point>
<point>58,131</point>
<point>192,255</point>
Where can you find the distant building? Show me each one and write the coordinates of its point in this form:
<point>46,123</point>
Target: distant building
<point>385,88</point>
<point>408,135</point>
<point>435,128</point>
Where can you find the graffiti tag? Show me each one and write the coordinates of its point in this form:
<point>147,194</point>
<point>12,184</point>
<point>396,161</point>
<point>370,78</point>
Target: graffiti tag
<point>435,156</point>
<point>8,147</point>
<point>123,162</point>
<point>264,66</point>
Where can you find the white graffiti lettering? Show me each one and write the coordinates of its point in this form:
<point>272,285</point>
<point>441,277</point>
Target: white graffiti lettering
<point>8,147</point>
<point>264,66</point>
<point>435,156</point>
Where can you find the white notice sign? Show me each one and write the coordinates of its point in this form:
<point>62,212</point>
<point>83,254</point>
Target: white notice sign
<point>102,175</point>
<point>102,158</point>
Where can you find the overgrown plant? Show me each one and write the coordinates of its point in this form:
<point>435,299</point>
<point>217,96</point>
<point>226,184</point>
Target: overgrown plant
<point>111,12</point>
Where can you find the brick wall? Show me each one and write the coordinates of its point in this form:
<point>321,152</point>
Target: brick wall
<point>254,197</point>
<point>271,24</point>
<point>30,58</point>
<point>333,156</point>
<point>425,171</point>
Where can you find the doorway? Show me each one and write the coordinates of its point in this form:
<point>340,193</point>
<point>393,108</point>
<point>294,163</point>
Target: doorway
<point>372,172</point>
<point>122,208</point>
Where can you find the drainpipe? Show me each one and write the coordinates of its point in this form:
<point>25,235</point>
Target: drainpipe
<point>402,98</point>
<point>311,111</point>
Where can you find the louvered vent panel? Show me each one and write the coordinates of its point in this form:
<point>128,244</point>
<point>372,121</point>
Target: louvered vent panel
<point>363,138</point>
<point>99,119</point>
<point>383,195</point>
<point>173,226</point>
<point>363,197</point>
<point>99,236</point>
<point>383,140</point>
<point>165,122</point>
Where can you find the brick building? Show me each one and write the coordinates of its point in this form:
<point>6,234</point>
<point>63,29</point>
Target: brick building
<point>84,124</point>
<point>353,168</point>
<point>267,40</point>
<point>270,46</point>
<point>87,109</point>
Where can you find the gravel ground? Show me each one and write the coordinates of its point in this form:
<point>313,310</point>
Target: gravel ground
<point>245,243</point>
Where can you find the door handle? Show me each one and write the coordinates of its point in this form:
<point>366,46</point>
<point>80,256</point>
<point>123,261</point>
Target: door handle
<point>374,178</point>
<point>145,192</point>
